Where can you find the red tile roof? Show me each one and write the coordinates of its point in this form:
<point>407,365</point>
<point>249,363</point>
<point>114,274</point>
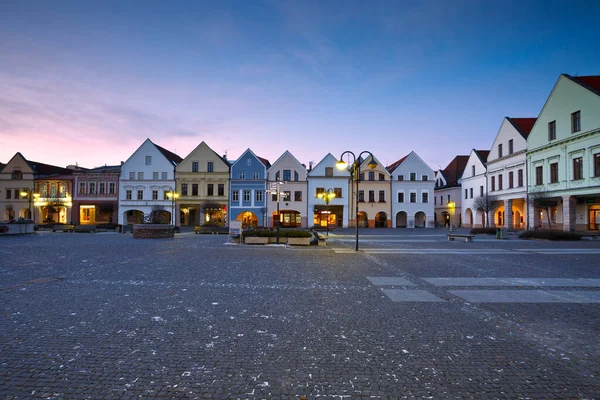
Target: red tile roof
<point>522,125</point>
<point>265,162</point>
<point>590,82</point>
<point>455,169</point>
<point>395,165</point>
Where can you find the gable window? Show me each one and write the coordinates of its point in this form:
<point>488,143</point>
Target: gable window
<point>471,192</point>
<point>210,166</point>
<point>371,175</point>
<point>400,197</point>
<point>576,121</point>
<point>597,165</point>
<point>287,175</point>
<point>140,195</point>
<point>539,175</point>
<point>554,172</point>
<point>552,130</point>
<point>413,176</point>
<point>424,177</point>
<point>361,196</point>
<point>577,168</point>
<point>242,175</point>
<point>210,189</point>
<point>140,176</point>
<point>500,181</point>
<point>128,195</point>
<point>155,176</point>
<point>328,171</point>
<point>493,182</point>
<point>155,195</point>
<point>361,176</point>
<point>382,196</point>
<point>221,189</point>
<point>338,192</point>
<point>259,196</point>
<point>184,189</point>
<point>296,177</point>
<point>481,190</point>
<point>510,146</point>
<point>466,193</point>
<point>132,175</point>
<point>164,176</point>
<point>255,175</point>
<point>248,163</point>
<point>235,196</point>
<point>413,197</point>
<point>400,177</point>
<point>148,160</point>
<point>472,170</point>
<point>246,195</point>
<point>298,195</point>
<point>17,175</point>
<point>499,150</point>
<point>194,189</point>
<point>511,179</point>
<point>381,177</point>
<point>425,197</point>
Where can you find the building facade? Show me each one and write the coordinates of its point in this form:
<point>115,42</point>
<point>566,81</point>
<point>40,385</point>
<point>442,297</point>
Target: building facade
<point>323,177</point>
<point>96,195</point>
<point>374,205</point>
<point>474,191</point>
<point>287,176</point>
<point>447,193</point>
<point>248,183</point>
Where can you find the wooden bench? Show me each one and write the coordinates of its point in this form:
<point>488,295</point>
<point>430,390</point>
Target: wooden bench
<point>64,228</point>
<point>590,235</point>
<point>86,228</point>
<point>467,238</point>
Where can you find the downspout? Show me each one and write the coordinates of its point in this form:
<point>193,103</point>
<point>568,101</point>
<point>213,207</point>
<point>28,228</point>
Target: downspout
<point>527,189</point>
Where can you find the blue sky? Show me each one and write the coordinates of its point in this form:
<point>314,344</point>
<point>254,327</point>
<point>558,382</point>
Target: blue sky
<point>87,82</point>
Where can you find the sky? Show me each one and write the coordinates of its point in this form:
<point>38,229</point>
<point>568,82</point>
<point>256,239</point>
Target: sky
<point>86,82</point>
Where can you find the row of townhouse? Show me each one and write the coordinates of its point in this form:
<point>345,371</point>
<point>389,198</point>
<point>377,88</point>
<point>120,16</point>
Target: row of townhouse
<point>542,171</point>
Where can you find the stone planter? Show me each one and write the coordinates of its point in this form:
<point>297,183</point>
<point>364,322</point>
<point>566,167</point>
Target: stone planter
<point>273,240</point>
<point>256,240</point>
<point>16,229</point>
<point>298,241</point>
<point>153,231</point>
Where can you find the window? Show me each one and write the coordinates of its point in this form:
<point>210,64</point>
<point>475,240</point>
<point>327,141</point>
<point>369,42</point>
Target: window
<point>287,175</point>
<point>296,178</point>
<point>413,197</point>
<point>441,199</point>
<point>552,130</point>
<point>466,193</point>
<point>510,146</point>
<point>499,150</point>
<point>255,176</point>
<point>424,177</point>
<point>382,196</point>
<point>400,197</point>
<point>493,183</point>
<point>92,187</point>
<point>577,168</point>
<point>554,172</point>
<point>435,200</point>
<point>9,194</point>
<point>155,195</point>
<point>597,165</point>
<point>481,190</point>
<point>210,166</point>
<point>81,187</point>
<point>194,189</point>
<point>221,189</point>
<point>287,195</point>
<point>413,176</point>
<point>140,176</point>
<point>148,160</point>
<point>328,171</point>
<point>259,196</point>
<point>371,175</point>
<point>425,197</point>
<point>381,177</point>
<point>132,175</point>
<point>242,175</point>
<point>500,182</point>
<point>539,175</point>
<point>511,180</point>
<point>361,196</point>
<point>210,189</point>
<point>472,170</point>
<point>274,197</point>
<point>140,195</point>
<point>298,195</point>
<point>248,163</point>
<point>338,192</point>
<point>235,196</point>
<point>319,191</point>
<point>111,188</point>
<point>471,192</point>
<point>400,177</point>
<point>277,175</point>
<point>184,189</point>
<point>520,177</point>
<point>448,198</point>
<point>361,176</point>
<point>17,175</point>
<point>128,194</point>
<point>101,187</point>
<point>155,176</point>
<point>164,176</point>
<point>247,194</point>
<point>576,121</point>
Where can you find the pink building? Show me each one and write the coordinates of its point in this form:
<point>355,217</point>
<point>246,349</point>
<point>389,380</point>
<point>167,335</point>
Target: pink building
<point>96,195</point>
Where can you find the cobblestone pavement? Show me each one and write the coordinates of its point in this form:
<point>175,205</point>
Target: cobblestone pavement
<point>105,316</point>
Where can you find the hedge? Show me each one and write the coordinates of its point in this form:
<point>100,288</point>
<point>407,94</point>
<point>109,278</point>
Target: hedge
<point>489,231</point>
<point>282,233</point>
<point>550,235</point>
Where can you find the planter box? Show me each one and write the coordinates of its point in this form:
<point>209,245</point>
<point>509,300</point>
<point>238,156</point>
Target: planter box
<point>274,240</point>
<point>153,231</point>
<point>298,241</point>
<point>16,229</point>
<point>256,240</point>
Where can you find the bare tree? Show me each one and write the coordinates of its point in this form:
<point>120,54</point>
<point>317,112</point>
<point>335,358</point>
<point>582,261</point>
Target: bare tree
<point>158,215</point>
<point>488,203</point>
<point>539,198</point>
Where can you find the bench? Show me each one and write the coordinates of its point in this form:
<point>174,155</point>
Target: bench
<point>467,238</point>
<point>86,228</point>
<point>591,236</point>
<point>64,228</point>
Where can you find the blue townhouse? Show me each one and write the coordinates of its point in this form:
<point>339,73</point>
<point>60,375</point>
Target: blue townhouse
<point>248,197</point>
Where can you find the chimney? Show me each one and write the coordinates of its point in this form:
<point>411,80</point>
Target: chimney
<point>310,165</point>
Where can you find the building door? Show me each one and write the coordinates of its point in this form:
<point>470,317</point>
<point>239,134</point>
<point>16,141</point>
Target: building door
<point>594,220</point>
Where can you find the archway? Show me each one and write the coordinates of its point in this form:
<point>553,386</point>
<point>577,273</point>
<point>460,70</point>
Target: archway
<point>133,217</point>
<point>249,220</point>
<point>517,219</point>
<point>469,215</point>
<point>445,218</point>
<point>401,219</point>
<point>363,220</point>
<point>420,220</point>
<point>480,218</point>
<point>381,220</point>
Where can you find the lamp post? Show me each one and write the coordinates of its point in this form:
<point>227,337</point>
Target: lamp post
<point>173,196</point>
<point>356,176</point>
<point>275,187</point>
<point>327,196</point>
<point>27,192</point>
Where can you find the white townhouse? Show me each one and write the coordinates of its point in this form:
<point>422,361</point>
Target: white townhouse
<point>506,177</point>
<point>447,193</point>
<point>563,157</point>
<point>322,177</point>
<point>288,176</point>
<point>146,182</point>
<point>473,185</point>
<point>412,187</point>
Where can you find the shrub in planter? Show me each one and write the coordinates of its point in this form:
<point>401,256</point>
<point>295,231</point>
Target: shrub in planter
<point>296,234</point>
<point>550,235</point>
<point>489,231</point>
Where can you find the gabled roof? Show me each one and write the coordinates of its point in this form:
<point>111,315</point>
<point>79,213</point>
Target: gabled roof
<point>172,157</point>
<point>46,169</point>
<point>522,125</point>
<point>105,168</point>
<point>453,172</point>
<point>483,155</point>
<point>592,82</point>
<point>395,165</point>
<point>265,162</point>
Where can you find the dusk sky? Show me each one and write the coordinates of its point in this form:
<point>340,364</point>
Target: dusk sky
<point>87,82</point>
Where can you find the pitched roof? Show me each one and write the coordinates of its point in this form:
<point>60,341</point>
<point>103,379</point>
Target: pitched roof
<point>591,82</point>
<point>453,172</point>
<point>483,155</point>
<point>47,169</point>
<point>174,158</point>
<point>395,165</point>
<point>265,162</point>
<point>105,168</point>
<point>522,125</point>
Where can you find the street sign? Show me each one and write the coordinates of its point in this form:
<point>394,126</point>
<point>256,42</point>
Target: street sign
<point>273,185</point>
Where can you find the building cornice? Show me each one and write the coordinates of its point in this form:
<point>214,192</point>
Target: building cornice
<point>558,143</point>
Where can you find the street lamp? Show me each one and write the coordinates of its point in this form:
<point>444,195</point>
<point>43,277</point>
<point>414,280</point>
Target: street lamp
<point>275,187</point>
<point>173,196</point>
<point>27,192</point>
<point>341,165</point>
<point>327,196</point>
